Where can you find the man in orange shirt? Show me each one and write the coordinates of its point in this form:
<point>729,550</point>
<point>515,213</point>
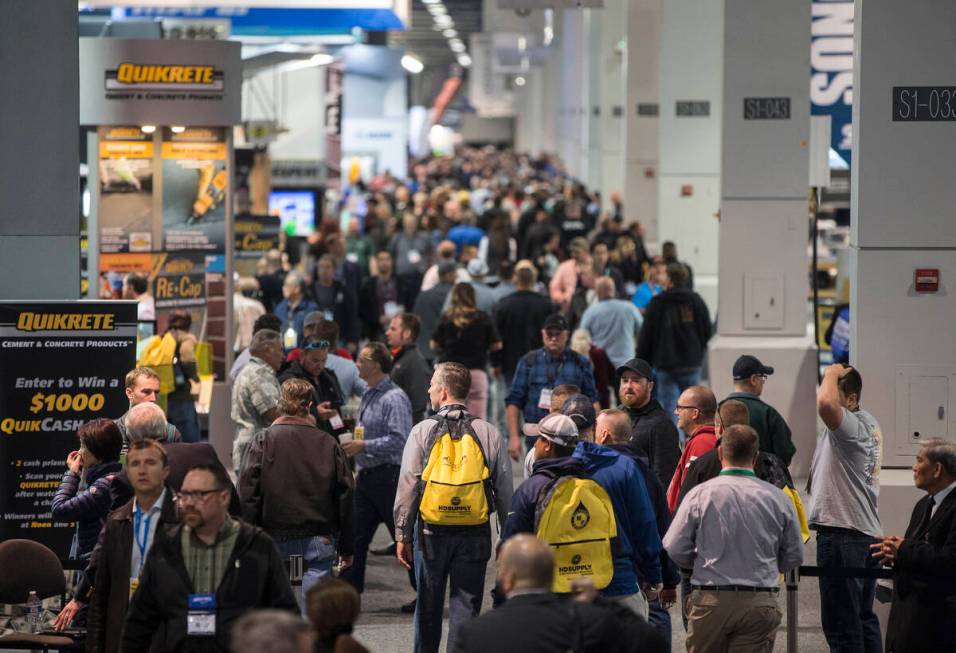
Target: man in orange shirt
<point>695,412</point>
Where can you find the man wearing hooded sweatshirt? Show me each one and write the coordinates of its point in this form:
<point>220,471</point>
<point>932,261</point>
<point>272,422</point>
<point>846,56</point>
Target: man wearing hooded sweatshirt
<point>637,557</point>
<point>613,430</point>
<point>674,337</point>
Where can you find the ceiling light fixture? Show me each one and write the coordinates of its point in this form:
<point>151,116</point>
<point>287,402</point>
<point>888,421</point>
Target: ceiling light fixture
<point>450,33</point>
<point>148,129</point>
<point>464,60</point>
<point>520,81</point>
<point>412,65</point>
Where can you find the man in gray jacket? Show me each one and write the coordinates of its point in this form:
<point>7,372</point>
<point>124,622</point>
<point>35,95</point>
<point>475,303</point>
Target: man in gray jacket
<point>447,553</point>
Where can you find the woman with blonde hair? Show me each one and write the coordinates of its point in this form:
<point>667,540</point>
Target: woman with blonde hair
<point>603,369</point>
<point>467,335</point>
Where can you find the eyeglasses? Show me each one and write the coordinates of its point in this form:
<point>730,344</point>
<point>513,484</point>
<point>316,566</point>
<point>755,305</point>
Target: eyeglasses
<point>319,344</point>
<point>194,495</point>
<point>553,334</point>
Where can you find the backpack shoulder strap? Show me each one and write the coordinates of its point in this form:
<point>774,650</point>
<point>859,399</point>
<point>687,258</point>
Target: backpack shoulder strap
<point>544,496</point>
<point>531,358</point>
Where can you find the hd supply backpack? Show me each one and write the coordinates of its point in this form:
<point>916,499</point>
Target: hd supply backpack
<point>455,485</point>
<point>575,517</point>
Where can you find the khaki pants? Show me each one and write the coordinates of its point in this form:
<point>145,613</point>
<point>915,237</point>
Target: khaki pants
<point>741,622</point>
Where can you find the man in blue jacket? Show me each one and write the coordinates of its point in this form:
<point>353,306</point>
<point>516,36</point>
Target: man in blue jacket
<point>637,559</point>
<point>558,453</point>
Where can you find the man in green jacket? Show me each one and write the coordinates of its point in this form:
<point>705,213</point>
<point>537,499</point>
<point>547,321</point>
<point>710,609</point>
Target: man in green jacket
<point>750,376</point>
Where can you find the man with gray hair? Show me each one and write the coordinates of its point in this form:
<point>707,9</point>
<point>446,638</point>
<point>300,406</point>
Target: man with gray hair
<point>296,305</point>
<point>270,631</point>
<point>924,560</point>
<point>255,394</point>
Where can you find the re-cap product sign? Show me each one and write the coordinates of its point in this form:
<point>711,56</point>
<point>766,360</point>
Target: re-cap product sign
<point>160,82</point>
<point>181,280</point>
<point>62,364</point>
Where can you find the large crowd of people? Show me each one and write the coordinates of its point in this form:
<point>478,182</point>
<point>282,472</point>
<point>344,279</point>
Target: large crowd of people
<point>486,360</point>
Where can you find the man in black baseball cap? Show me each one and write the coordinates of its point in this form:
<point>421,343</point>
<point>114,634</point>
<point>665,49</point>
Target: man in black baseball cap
<point>653,430</point>
<point>538,373</point>
<point>750,376</point>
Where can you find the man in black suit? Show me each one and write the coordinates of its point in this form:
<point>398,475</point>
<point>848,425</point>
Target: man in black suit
<point>535,619</point>
<point>924,560</point>
<point>382,297</point>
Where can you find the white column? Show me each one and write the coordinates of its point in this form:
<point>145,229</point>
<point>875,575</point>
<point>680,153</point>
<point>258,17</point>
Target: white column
<point>763,259</point>
<point>902,198</point>
<point>613,90</point>
<point>689,185</point>
<point>641,108</point>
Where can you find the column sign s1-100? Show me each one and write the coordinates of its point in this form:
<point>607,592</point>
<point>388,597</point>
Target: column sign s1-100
<point>692,108</point>
<point>767,108</point>
<point>924,103</point>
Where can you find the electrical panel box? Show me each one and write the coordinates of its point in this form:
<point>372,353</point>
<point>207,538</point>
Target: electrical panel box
<point>924,397</point>
<point>763,301</point>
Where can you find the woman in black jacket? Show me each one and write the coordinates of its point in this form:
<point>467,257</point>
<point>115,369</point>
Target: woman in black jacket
<point>466,335</point>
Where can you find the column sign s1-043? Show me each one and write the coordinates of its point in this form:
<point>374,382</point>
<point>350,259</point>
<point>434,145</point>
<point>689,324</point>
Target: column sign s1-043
<point>924,103</point>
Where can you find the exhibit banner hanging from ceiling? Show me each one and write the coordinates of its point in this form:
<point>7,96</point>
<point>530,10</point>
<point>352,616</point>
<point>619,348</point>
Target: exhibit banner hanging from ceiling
<point>831,75</point>
<point>147,82</point>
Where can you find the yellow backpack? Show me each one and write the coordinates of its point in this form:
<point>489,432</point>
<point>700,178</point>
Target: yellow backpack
<point>455,485</point>
<point>575,517</point>
<point>158,355</point>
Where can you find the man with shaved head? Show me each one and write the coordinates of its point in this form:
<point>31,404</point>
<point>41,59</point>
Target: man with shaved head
<point>535,619</point>
<point>613,323</point>
<point>695,412</point>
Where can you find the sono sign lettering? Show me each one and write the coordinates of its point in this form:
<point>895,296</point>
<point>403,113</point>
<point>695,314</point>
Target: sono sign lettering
<point>831,60</point>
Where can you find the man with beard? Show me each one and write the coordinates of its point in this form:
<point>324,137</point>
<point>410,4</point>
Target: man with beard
<point>326,395</point>
<point>653,431</point>
<point>200,577</point>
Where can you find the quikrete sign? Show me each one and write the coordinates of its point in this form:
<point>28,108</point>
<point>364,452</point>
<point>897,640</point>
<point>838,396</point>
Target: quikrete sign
<point>160,82</point>
<point>133,76</point>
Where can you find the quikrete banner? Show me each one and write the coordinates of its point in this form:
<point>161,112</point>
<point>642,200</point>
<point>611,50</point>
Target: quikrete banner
<point>62,364</point>
<point>160,82</point>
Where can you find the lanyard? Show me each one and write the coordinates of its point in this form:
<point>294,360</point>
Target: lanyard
<point>736,471</point>
<point>141,545</point>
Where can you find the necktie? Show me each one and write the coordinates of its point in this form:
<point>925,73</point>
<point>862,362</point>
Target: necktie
<point>924,522</point>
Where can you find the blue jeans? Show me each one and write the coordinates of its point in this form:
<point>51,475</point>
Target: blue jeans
<point>846,604</point>
<point>318,555</point>
<point>670,384</point>
<point>660,619</point>
<point>182,415</point>
<point>455,560</point>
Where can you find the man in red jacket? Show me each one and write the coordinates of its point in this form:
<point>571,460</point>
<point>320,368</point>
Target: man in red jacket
<point>695,412</point>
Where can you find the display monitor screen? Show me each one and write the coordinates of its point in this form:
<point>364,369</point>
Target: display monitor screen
<point>296,210</point>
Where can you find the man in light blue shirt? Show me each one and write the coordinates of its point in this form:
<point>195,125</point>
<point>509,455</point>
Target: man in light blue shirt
<point>613,323</point>
<point>654,285</point>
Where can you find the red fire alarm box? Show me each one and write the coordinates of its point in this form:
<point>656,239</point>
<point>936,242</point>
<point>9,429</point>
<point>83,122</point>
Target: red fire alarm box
<point>927,280</point>
<point>686,190</point>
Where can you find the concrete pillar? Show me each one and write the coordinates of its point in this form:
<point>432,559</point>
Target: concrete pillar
<point>40,158</point>
<point>594,109</point>
<point>902,198</point>
<point>573,92</point>
<point>691,66</point>
<point>611,72</point>
<point>641,108</point>
<point>763,259</point>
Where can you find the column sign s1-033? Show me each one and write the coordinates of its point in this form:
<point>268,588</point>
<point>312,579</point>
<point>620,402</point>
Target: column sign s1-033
<point>924,103</point>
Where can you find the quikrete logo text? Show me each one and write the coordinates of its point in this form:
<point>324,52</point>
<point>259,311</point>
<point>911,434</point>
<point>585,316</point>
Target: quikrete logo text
<point>28,321</point>
<point>133,76</point>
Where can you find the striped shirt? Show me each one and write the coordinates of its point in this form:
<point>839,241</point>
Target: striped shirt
<point>386,415</point>
<point>206,563</point>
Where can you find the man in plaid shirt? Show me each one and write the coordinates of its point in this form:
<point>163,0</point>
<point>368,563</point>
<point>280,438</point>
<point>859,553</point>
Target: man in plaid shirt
<point>381,428</point>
